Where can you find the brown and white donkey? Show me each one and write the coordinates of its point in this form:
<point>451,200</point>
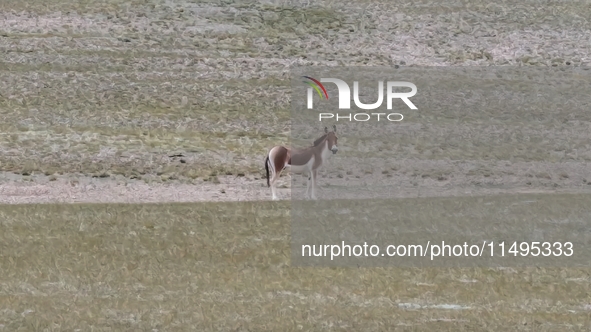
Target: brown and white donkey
<point>301,161</point>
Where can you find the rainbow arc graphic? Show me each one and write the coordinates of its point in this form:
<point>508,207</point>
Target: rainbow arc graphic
<point>317,86</point>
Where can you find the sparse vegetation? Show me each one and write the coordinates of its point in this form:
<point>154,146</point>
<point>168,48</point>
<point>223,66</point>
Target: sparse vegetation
<point>119,85</point>
<point>226,267</point>
<point>160,101</point>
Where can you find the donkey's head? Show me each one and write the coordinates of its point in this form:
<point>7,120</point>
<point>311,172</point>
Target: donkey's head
<point>332,139</point>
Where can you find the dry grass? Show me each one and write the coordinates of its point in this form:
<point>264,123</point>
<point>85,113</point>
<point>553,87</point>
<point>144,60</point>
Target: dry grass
<point>118,88</point>
<point>85,82</point>
<point>225,267</point>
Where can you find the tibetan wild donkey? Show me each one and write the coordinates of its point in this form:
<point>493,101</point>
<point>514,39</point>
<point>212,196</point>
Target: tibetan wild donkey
<point>301,161</point>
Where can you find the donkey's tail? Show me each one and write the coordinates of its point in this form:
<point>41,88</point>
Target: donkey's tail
<point>267,169</point>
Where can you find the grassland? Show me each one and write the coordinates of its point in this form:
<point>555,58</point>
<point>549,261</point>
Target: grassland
<point>193,93</point>
<point>109,88</point>
<point>226,267</point>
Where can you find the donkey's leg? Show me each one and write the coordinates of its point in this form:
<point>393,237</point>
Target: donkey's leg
<point>308,185</point>
<point>314,174</point>
<point>276,175</point>
<point>270,171</point>
<point>273,193</point>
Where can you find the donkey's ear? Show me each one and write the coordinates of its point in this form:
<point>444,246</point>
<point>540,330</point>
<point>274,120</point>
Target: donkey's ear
<point>334,128</point>
<point>326,130</point>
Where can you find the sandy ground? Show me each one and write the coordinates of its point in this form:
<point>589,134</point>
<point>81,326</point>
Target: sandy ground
<point>402,184</point>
